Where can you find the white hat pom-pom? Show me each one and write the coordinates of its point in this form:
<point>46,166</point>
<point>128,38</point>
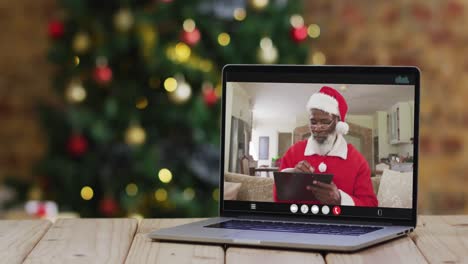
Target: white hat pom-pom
<point>322,167</point>
<point>342,128</point>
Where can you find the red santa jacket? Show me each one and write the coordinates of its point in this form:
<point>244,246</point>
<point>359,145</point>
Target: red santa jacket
<point>350,169</point>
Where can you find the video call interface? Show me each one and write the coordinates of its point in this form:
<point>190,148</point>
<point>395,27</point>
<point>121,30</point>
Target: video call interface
<point>319,149</point>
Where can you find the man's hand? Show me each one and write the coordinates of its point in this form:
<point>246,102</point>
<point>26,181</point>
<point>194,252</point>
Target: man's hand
<point>303,166</point>
<point>325,193</point>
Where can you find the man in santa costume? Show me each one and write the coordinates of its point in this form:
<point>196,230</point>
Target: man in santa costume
<point>326,151</point>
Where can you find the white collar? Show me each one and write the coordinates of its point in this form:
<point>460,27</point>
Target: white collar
<point>339,149</point>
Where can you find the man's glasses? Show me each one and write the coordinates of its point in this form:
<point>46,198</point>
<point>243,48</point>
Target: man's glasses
<point>323,125</point>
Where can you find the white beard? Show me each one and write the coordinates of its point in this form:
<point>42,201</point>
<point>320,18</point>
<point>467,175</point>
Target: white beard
<point>324,148</point>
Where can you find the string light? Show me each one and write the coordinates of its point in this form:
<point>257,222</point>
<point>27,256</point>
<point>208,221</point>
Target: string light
<point>160,195</point>
<point>224,39</point>
<point>313,31</point>
<point>266,43</point>
<point>189,25</point>
<point>189,194</point>
<point>239,14</point>
<point>267,52</point>
<point>165,175</point>
<point>75,92</point>
<point>318,58</point>
<point>135,135</point>
<point>182,52</point>
<point>215,194</point>
<point>182,93</point>
<point>87,193</point>
<point>131,189</point>
<point>170,84</point>
<point>259,4</point>
<point>296,21</point>
<point>76,60</point>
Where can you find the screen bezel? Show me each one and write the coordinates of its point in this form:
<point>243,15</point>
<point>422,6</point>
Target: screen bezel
<point>284,73</point>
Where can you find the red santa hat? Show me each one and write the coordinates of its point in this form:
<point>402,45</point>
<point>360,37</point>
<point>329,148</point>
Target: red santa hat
<point>331,101</point>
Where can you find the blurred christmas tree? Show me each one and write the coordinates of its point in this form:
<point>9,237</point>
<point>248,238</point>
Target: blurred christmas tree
<point>138,132</point>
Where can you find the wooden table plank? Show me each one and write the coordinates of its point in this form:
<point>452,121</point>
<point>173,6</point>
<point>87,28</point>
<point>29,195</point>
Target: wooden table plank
<point>18,238</point>
<point>85,241</point>
<point>401,250</point>
<point>144,250</point>
<point>270,256</point>
<point>443,239</point>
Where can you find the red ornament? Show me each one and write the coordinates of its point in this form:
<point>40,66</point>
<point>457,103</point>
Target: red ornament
<point>102,74</point>
<point>299,34</point>
<point>77,145</point>
<point>209,97</point>
<point>56,29</point>
<point>191,38</point>
<point>108,206</point>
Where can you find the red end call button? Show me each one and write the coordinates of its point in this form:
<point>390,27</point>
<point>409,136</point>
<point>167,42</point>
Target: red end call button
<point>336,210</point>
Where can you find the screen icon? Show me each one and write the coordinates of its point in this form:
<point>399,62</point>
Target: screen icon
<point>325,209</point>
<point>402,79</point>
<point>253,206</point>
<point>293,208</point>
<point>304,209</point>
<point>314,209</point>
<point>379,212</point>
<point>336,210</point>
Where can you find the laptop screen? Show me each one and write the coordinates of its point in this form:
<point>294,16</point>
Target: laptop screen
<point>320,141</point>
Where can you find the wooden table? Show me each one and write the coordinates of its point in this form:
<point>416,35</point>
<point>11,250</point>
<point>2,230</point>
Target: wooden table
<point>437,239</point>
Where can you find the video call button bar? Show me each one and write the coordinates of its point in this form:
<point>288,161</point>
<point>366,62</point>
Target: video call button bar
<point>340,78</point>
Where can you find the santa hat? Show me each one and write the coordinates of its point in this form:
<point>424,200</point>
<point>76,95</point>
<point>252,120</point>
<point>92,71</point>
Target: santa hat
<point>331,101</point>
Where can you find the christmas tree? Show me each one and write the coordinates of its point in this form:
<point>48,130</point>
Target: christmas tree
<point>139,128</point>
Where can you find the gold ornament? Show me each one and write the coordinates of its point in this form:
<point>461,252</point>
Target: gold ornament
<point>75,92</point>
<point>81,42</point>
<point>141,103</point>
<point>135,135</point>
<point>131,189</point>
<point>317,58</point>
<point>148,37</point>
<point>182,93</point>
<point>313,31</point>
<point>123,20</point>
<point>224,39</point>
<point>87,193</point>
<point>160,195</point>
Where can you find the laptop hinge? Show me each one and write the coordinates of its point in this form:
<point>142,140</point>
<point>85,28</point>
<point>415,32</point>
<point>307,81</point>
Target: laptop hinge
<point>321,221</point>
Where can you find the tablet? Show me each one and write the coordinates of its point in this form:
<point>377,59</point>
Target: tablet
<point>292,185</point>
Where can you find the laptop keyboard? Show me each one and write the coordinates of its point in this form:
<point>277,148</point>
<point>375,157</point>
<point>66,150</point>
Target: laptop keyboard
<point>307,228</point>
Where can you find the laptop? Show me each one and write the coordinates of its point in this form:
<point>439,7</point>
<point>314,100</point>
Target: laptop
<point>270,111</point>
